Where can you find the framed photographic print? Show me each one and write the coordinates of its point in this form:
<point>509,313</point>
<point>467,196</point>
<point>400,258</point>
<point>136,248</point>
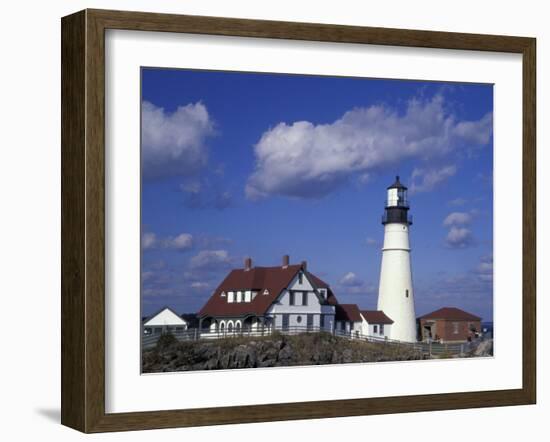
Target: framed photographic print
<point>270,220</point>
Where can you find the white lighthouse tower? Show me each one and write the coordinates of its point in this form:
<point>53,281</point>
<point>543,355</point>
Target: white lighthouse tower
<point>395,294</point>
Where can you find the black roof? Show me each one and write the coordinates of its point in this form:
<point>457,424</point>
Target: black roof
<point>191,318</point>
<point>397,184</point>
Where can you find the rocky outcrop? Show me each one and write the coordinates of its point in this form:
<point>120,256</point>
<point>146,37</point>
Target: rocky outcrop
<point>272,351</point>
<point>482,349</point>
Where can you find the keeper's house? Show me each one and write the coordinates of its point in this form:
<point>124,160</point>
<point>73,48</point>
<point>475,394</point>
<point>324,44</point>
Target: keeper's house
<point>286,298</point>
<point>269,298</point>
<point>449,324</point>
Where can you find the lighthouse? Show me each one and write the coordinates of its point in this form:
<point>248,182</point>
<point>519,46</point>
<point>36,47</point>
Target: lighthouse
<point>395,293</point>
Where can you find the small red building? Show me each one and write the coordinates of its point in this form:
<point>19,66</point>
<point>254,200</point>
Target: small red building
<point>449,324</point>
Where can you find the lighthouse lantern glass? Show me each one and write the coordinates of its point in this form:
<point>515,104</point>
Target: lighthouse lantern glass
<point>397,197</point>
<point>401,197</point>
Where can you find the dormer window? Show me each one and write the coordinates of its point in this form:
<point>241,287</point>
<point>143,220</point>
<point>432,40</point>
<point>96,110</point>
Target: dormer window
<point>239,297</point>
<point>223,295</point>
<point>230,296</point>
<point>266,292</point>
<point>292,298</point>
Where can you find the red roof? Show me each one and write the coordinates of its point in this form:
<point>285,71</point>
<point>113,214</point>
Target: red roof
<point>331,298</point>
<point>318,282</point>
<point>376,317</point>
<point>348,312</point>
<point>451,313</point>
<point>260,279</point>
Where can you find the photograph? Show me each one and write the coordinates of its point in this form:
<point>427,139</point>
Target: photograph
<point>295,220</point>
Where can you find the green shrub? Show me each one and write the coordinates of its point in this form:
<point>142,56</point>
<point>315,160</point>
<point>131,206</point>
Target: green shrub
<point>166,341</point>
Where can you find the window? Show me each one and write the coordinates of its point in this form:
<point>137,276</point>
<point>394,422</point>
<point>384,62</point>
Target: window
<point>322,321</point>
<point>381,329</point>
<point>239,297</point>
<point>375,329</point>
<point>298,319</point>
<point>304,298</point>
<point>310,321</point>
<point>230,296</point>
<point>285,321</point>
<point>291,298</point>
<point>266,292</point>
<point>455,328</point>
<point>300,278</point>
<point>223,295</point>
<point>229,327</point>
<point>407,293</point>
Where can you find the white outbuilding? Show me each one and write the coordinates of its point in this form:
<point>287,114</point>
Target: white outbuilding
<point>165,320</point>
<point>376,324</point>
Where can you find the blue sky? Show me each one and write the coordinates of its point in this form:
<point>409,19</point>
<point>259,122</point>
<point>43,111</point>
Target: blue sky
<point>262,165</point>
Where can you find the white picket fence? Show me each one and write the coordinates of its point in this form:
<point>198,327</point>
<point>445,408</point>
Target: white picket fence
<point>432,349</point>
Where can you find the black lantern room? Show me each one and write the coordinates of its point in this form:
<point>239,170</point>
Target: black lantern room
<point>397,205</point>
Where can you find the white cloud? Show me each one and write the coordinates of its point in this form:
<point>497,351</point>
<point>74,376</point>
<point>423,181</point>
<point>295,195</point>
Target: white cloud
<point>193,186</point>
<point>184,241</point>
<point>425,180</point>
<point>457,219</point>
<point>148,240</point>
<point>210,260</point>
<point>350,279</point>
<point>371,242</point>
<point>150,292</point>
<point>306,160</point>
<point>458,202</point>
<point>459,238</point>
<point>174,143</point>
<point>200,285</point>
<point>485,268</point>
<point>147,275</point>
<point>476,132</point>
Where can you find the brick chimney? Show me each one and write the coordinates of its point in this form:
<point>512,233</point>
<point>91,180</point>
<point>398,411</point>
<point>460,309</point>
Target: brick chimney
<point>304,266</point>
<point>286,260</point>
<point>247,264</point>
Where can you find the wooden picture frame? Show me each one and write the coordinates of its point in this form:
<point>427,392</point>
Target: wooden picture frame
<point>83,220</point>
